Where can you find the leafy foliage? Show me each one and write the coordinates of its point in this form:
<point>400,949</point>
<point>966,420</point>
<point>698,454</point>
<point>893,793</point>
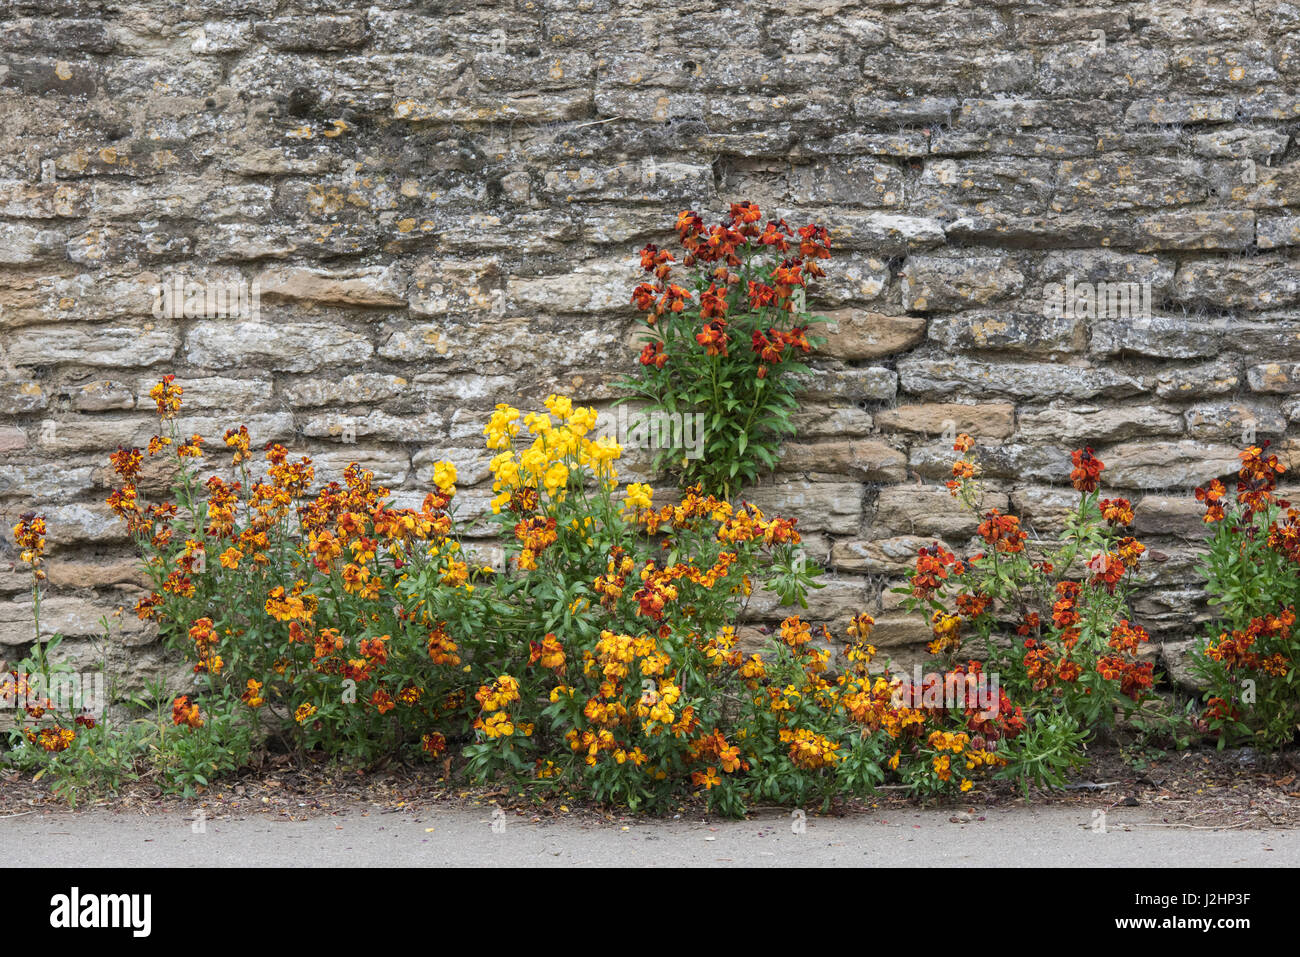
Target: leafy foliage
<point>728,345</point>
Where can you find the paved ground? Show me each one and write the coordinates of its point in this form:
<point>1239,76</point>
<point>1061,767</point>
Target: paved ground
<point>442,836</point>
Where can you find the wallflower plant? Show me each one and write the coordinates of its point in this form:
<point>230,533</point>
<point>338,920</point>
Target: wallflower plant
<point>726,337</point>
<point>601,658</point>
<point>1051,618</point>
<point>1248,658</point>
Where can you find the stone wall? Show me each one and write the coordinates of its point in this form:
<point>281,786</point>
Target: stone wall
<point>441,203</point>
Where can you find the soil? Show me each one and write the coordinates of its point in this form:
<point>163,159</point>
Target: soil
<point>1199,789</point>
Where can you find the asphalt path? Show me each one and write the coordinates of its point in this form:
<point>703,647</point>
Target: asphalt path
<point>442,836</point>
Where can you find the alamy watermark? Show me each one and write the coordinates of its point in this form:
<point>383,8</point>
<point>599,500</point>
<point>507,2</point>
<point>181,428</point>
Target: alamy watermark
<point>1100,300</point>
<point>181,298</point>
<point>657,430</point>
<point>75,910</point>
<point>978,691</point>
<point>63,692</point>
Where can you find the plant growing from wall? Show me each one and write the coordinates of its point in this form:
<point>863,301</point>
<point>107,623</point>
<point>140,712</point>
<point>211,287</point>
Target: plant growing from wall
<point>725,340</point>
<point>600,659</point>
<point>1248,659</point>
<point>1074,651</point>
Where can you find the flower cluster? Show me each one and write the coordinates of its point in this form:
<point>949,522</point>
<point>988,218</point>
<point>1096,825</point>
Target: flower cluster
<point>1248,657</point>
<point>1074,647</point>
<point>322,610</point>
<point>725,338</point>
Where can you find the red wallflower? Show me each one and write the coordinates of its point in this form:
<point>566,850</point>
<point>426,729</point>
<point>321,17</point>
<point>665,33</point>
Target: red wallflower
<point>1087,469</point>
<point>714,337</point>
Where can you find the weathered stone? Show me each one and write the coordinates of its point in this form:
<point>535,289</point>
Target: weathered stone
<point>1044,510</point>
<point>1177,659</point>
<point>1241,422</point>
<point>1030,229</point>
<point>82,574</point>
<point>312,33</point>
<point>43,200</point>
<point>1105,266</point>
<point>72,618</point>
<point>1160,465</point>
<point>859,278</point>
<point>117,347</point>
<point>878,556</point>
<point>1213,69</point>
<point>1159,111</point>
<point>103,433</point>
<point>1002,460</point>
<point>390,467</point>
<point>1266,187</point>
<point>855,184</point>
<point>1109,185</point>
<point>855,334</point>
<point>995,186</point>
<point>930,510</point>
<point>1045,144</point>
<point>862,458</point>
<point>41,484</point>
<point>348,426</point>
<point>1241,143</point>
<point>1005,113</point>
<point>994,420</point>
<point>1022,379</point>
<point>1008,333</point>
<point>21,244</point>
<point>870,384</point>
<point>1196,229</point>
<point>21,396</point>
<point>102,395</point>
<point>838,602</point>
<point>283,347</point>
<point>598,287</point>
<point>646,180</point>
<point>936,72</point>
<point>932,283</point>
<point>212,393</point>
<point>1220,377</point>
<point>1242,284</point>
<point>1277,377</point>
<point>834,507</point>
<point>884,232</point>
<point>491,345</point>
<point>471,464</point>
<point>1162,337</point>
<point>373,286</point>
<point>1178,515</point>
<point>1278,232</point>
<point>1095,425</point>
<point>832,420</point>
<point>360,388</point>
<point>898,630</point>
<point>443,210</point>
<point>12,439</point>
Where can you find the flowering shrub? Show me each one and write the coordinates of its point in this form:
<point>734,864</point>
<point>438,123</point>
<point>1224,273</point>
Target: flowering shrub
<point>46,726</point>
<point>601,658</point>
<point>1251,576</point>
<point>728,343</point>
<point>63,734</point>
<point>1075,649</point>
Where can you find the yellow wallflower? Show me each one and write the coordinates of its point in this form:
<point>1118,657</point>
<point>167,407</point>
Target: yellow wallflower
<point>502,427</point>
<point>444,475</point>
<point>556,479</point>
<point>560,406</point>
<point>639,496</point>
